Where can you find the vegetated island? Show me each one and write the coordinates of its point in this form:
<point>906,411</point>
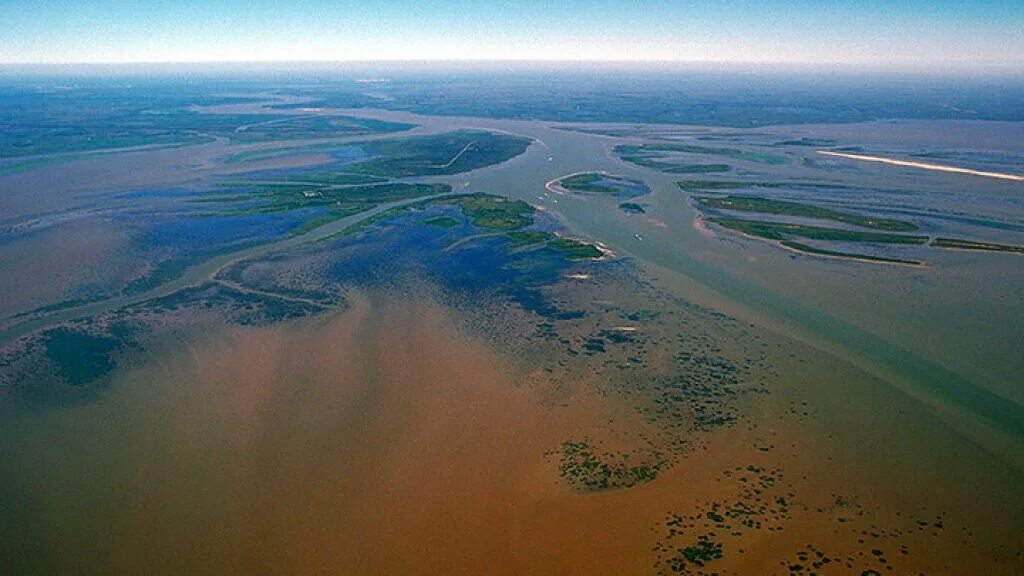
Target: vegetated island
<point>960,244</point>
<point>602,183</point>
<point>761,205</point>
<point>673,158</point>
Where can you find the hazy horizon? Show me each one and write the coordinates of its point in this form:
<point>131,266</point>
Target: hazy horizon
<point>913,35</point>
<point>510,65</point>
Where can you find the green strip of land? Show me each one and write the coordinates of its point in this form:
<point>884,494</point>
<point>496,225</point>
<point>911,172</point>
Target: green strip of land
<point>575,249</point>
<point>822,252</point>
<point>698,168</point>
<point>658,156</point>
<point>711,185</point>
<point>961,244</point>
<point>769,206</point>
<point>782,231</point>
<point>442,222</point>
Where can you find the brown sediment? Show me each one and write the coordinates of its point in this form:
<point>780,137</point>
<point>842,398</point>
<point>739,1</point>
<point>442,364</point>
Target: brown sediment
<point>47,266</point>
<point>700,224</point>
<point>386,440</point>
<point>379,440</point>
<point>555,186</point>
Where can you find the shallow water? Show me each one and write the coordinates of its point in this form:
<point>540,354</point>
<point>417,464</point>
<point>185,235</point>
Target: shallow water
<point>365,440</point>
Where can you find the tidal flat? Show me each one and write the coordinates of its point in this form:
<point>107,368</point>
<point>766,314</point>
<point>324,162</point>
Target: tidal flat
<point>372,341</point>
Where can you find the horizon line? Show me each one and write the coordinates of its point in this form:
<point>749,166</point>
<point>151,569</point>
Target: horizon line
<point>1010,68</point>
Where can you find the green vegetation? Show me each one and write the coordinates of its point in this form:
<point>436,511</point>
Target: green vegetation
<point>263,128</point>
<point>822,252</point>
<point>449,153</point>
<point>598,342</point>
<point>442,222</point>
<point>33,163</point>
<point>62,125</point>
<point>698,397</point>
<point>701,185</point>
<point>367,223</point>
<point>502,214</point>
<point>629,99</point>
<point>335,179</point>
<point>505,216</point>
<point>666,157</point>
<point>804,141</point>
<point>769,206</point>
<point>335,203</point>
<point>357,187</point>
<point>782,231</point>
<point>573,249</point>
<point>246,308</point>
<point>583,182</point>
<point>493,212</point>
<point>520,238</point>
<point>325,203</point>
<point>703,552</point>
<point>576,250</point>
<point>961,244</point>
<point>585,470</point>
<point>80,357</point>
<point>340,152</point>
<point>632,208</point>
<point>601,183</point>
<point>75,139</point>
<point>699,169</point>
<point>268,153</point>
<point>164,271</point>
<point>711,185</point>
<point>615,132</point>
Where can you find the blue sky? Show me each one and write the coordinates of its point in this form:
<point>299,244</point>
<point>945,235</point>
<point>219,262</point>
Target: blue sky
<point>866,32</point>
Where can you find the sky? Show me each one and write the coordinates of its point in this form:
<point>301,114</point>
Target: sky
<point>877,33</point>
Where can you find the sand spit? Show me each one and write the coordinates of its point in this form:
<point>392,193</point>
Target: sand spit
<point>925,165</point>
